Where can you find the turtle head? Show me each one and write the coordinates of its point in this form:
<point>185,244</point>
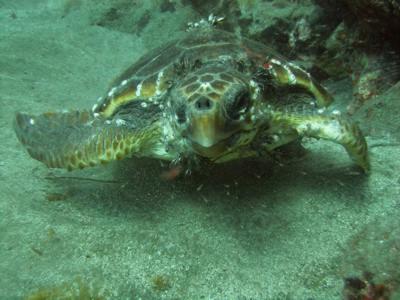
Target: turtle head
<point>210,106</point>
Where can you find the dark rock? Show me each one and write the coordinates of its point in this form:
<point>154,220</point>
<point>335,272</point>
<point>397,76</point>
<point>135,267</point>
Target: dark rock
<point>167,5</point>
<point>379,20</point>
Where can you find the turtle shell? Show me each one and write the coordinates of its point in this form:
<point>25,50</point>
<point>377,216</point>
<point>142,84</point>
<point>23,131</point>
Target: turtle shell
<point>151,76</point>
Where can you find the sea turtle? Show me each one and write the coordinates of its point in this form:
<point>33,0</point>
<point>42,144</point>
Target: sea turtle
<point>209,96</point>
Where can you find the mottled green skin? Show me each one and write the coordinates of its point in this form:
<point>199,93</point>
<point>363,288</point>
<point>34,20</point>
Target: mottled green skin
<point>210,95</point>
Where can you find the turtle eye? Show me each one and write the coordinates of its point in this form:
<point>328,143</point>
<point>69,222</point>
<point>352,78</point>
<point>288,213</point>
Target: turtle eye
<point>180,115</point>
<point>239,105</point>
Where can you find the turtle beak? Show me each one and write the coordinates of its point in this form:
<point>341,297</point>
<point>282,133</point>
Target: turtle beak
<point>208,131</point>
<point>207,135</point>
<point>205,130</point>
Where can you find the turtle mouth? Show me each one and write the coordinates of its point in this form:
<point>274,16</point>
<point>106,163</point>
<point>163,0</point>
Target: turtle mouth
<point>212,150</point>
<point>218,148</point>
<point>211,139</point>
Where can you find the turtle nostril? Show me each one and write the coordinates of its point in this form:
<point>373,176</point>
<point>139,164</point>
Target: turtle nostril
<point>203,104</point>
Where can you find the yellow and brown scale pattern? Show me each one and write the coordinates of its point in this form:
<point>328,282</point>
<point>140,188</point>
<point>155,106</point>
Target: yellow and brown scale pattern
<point>146,89</point>
<point>91,143</point>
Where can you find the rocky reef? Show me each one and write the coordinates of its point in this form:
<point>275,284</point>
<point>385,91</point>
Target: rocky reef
<point>331,39</point>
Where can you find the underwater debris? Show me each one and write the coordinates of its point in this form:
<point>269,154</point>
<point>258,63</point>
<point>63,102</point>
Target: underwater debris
<point>36,250</point>
<point>160,283</point>
<point>76,290</point>
<point>363,288</point>
<point>172,173</point>
<point>56,196</point>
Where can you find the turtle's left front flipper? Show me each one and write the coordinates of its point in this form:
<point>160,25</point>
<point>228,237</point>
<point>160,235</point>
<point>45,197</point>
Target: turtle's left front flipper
<point>287,74</point>
<point>73,140</point>
<point>330,127</point>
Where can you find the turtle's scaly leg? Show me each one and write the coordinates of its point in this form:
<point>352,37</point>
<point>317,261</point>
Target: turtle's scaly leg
<point>289,74</point>
<point>328,127</point>
<point>73,140</point>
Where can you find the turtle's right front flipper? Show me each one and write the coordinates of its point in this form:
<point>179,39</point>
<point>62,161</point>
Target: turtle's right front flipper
<point>73,140</point>
<point>331,127</point>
